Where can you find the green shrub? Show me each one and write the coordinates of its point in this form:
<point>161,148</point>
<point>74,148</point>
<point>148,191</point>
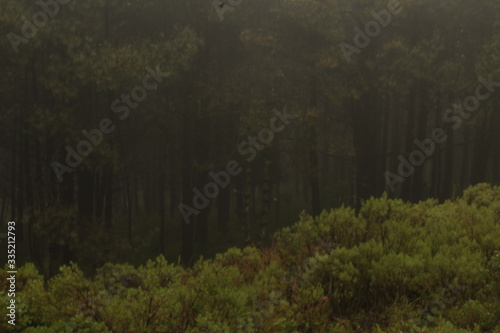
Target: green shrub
<point>382,270</point>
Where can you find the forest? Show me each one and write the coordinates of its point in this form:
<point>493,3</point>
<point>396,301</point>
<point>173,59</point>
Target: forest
<point>250,166</point>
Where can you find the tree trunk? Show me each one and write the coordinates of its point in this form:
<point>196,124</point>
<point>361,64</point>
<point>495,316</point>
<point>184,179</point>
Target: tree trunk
<point>100,193</point>
<point>313,171</point>
<point>421,113</point>
<point>266,201</point>
<point>449,163</point>
<point>365,134</point>
<point>161,205</point>
<point>481,152</point>
<point>67,200</point>
<point>21,188</point>
<point>187,229</point>
<point>407,187</point>
<point>174,193</point>
<point>108,199</point>
<point>223,209</point>
<point>129,208</point>
<point>85,200</point>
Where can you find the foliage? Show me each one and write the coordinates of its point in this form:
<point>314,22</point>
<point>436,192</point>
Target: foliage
<point>381,270</point>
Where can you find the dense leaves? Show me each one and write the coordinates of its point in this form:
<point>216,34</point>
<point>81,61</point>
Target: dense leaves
<point>381,270</point>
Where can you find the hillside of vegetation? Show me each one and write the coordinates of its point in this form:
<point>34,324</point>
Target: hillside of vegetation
<point>393,267</point>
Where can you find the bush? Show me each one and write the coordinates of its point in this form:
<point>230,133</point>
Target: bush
<point>393,267</point>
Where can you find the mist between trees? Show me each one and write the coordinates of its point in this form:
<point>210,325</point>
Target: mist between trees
<point>155,186</point>
<point>99,148</point>
<point>427,147</point>
<point>106,126</point>
<point>222,179</point>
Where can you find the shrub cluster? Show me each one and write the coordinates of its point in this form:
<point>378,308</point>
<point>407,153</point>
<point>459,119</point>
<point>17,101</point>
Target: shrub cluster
<point>392,267</point>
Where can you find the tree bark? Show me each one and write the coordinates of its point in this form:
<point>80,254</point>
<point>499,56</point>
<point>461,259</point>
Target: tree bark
<point>161,205</point>
<point>365,143</point>
<point>187,228</point>
<point>85,200</point>
<point>108,199</point>
<point>313,171</point>
<point>481,152</point>
<point>223,209</point>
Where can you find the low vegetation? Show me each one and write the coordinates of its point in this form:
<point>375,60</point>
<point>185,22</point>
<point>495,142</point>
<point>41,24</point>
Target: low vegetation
<point>392,267</point>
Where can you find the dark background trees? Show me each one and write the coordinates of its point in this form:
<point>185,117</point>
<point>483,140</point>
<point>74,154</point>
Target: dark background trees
<point>225,78</point>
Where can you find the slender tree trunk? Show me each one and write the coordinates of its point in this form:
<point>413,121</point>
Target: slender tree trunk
<point>365,143</point>
<point>202,228</point>
<point>174,193</point>
<point>202,150</point>
<point>45,249</point>
<point>148,205</point>
<point>187,228</point>
<point>278,201</point>
<point>437,157</point>
<point>161,205</point>
<point>85,200</point>
<point>223,209</point>
<point>266,200</point>
<point>108,199</point>
<point>407,187</point>
<point>67,200</point>
<point>135,192</point>
<point>314,173</point>
<point>100,186</point>
<point>421,113</point>
<point>240,182</point>
<point>464,178</point>
<point>396,137</point>
<point>21,189</point>
<point>481,152</point>
<point>313,153</point>
<point>449,167</point>
<point>385,141</point>
<point>129,208</point>
<point>248,205</point>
